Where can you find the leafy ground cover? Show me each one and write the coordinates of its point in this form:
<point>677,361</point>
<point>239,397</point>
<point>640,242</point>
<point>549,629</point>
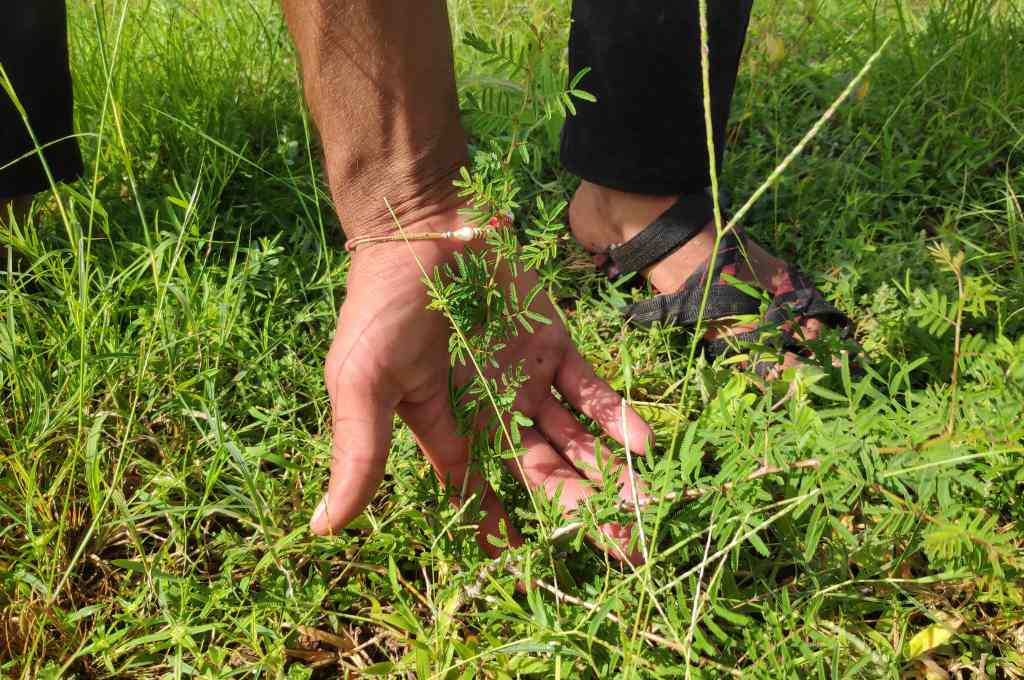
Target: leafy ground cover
<point>163,424</point>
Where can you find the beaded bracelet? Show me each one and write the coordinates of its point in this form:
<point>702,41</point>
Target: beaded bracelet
<point>462,234</point>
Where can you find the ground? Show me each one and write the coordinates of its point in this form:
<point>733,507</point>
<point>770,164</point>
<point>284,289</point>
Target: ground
<point>163,422</point>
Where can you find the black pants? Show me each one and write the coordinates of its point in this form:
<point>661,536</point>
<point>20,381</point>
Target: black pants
<point>34,54</point>
<point>646,133</point>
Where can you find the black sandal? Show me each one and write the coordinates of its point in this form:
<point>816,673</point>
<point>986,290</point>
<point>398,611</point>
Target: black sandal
<point>797,299</point>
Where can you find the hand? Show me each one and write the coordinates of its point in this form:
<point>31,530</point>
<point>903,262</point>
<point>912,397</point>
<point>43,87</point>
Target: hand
<point>390,355</point>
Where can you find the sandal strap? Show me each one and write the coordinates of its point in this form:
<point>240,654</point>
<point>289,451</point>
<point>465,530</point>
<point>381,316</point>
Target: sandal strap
<point>683,220</point>
<point>806,302</point>
<point>803,302</point>
<point>682,308</point>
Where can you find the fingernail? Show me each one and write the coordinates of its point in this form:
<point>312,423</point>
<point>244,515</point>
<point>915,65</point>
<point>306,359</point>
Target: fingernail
<point>320,510</point>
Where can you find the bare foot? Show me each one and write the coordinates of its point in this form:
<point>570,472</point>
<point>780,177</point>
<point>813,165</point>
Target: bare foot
<point>601,217</point>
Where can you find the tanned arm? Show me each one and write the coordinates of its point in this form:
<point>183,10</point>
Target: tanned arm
<point>379,80</point>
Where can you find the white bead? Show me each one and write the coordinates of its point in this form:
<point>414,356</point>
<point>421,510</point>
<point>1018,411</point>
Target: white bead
<point>464,234</point>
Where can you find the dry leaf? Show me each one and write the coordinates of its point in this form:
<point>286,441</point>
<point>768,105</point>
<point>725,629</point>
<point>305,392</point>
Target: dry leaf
<point>342,644</point>
<point>864,90</point>
<point>932,670</point>
<point>775,48</point>
<point>931,637</point>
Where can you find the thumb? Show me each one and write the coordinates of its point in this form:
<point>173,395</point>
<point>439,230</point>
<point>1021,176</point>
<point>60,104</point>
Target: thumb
<point>359,451</point>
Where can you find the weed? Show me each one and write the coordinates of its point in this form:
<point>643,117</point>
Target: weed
<point>163,423</point>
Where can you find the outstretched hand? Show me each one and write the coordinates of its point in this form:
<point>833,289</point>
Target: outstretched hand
<point>390,355</point>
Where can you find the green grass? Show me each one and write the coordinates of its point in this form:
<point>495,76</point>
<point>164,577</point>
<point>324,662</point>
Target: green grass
<point>163,422</point>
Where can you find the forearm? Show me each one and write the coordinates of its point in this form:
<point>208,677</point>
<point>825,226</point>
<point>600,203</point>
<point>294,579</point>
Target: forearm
<point>379,81</point>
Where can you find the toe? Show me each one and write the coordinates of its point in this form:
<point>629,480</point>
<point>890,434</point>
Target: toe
<point>811,329</point>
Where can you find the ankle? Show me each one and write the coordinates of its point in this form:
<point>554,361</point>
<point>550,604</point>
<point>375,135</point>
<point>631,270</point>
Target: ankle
<point>600,216</point>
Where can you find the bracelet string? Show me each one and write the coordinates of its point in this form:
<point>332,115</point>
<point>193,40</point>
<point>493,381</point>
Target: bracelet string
<point>465,234</point>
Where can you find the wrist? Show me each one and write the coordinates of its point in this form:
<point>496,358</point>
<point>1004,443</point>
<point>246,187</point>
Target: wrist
<point>447,227</point>
<point>397,206</point>
<point>413,241</point>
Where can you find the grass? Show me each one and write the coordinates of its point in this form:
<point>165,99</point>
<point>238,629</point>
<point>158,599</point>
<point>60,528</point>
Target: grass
<point>163,432</point>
